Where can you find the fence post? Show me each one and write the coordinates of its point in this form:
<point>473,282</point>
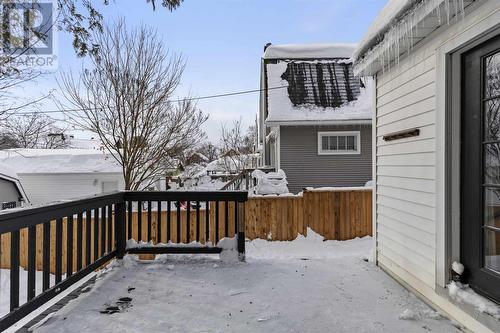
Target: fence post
<point>241,231</point>
<point>120,212</point>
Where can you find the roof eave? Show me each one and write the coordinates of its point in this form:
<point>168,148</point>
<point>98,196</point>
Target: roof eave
<point>376,56</point>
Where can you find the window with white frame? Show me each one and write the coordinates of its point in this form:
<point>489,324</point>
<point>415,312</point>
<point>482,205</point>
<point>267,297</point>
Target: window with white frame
<point>336,143</point>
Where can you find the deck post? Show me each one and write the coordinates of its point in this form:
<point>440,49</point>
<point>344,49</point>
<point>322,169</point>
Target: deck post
<point>120,213</point>
<point>241,231</point>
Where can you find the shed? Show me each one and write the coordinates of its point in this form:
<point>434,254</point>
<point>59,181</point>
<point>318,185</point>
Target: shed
<point>49,175</point>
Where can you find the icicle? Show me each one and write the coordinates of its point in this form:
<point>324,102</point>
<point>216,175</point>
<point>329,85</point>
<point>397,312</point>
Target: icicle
<point>390,49</point>
<point>447,10</point>
<point>438,14</point>
<point>462,9</point>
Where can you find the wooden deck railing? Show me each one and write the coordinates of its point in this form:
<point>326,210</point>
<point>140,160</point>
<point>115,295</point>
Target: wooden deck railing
<point>67,241</point>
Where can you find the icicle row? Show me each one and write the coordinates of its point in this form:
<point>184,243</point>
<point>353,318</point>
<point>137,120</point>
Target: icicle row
<point>390,48</point>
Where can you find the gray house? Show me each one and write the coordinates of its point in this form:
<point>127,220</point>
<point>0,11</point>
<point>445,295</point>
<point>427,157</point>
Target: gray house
<point>11,191</point>
<point>315,116</point>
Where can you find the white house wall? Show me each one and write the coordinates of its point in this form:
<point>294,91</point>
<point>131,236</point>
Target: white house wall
<point>44,188</point>
<point>406,168</point>
<point>409,195</point>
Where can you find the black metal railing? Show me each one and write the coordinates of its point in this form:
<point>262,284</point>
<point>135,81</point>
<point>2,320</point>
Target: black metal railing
<point>67,241</point>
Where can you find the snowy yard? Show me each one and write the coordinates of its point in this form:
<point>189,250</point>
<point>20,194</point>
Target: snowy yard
<point>301,286</point>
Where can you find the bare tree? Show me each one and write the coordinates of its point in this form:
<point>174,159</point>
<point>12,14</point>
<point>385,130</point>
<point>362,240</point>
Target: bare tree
<point>33,130</point>
<point>236,146</point>
<point>80,18</point>
<point>209,150</point>
<point>125,95</point>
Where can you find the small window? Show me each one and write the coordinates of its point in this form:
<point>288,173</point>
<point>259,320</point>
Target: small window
<point>337,143</point>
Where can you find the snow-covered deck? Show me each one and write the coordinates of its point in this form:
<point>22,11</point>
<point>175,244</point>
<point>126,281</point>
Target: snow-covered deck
<point>302,286</point>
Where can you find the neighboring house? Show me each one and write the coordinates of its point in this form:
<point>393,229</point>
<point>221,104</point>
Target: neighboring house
<point>315,116</point>
<point>437,134</point>
<point>49,175</point>
<point>12,194</point>
<point>197,158</point>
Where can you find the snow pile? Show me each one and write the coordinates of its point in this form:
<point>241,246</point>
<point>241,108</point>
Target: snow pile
<point>464,294</point>
<point>133,244</point>
<point>410,314</point>
<point>311,246</point>
<point>282,110</point>
<point>309,51</point>
<point>271,182</point>
<point>458,267</point>
<point>229,248</point>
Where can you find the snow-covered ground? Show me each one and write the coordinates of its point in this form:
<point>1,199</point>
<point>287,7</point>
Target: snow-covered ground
<point>23,283</point>
<point>302,286</point>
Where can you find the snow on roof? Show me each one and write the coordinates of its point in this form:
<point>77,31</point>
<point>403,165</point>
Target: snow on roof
<point>86,144</point>
<point>309,51</point>
<point>7,172</point>
<point>58,161</point>
<point>200,155</point>
<point>383,22</point>
<point>281,110</point>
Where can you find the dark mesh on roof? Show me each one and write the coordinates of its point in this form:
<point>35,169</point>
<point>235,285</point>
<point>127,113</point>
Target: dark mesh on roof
<point>326,84</point>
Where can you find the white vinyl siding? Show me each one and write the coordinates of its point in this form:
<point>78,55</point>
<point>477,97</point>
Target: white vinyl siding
<point>44,188</point>
<point>406,187</point>
<point>409,193</point>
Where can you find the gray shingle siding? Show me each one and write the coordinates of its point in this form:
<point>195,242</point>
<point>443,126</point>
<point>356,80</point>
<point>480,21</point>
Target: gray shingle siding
<point>305,168</point>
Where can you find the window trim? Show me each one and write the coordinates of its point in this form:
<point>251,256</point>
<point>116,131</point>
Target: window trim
<point>356,134</point>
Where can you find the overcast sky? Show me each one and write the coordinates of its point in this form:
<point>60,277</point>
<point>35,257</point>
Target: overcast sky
<point>222,42</point>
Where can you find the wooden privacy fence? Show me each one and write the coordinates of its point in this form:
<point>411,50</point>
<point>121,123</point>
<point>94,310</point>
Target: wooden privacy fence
<point>335,214</point>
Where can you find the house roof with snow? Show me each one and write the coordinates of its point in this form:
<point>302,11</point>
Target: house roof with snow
<point>28,161</point>
<point>399,27</point>
<point>309,51</point>
<point>10,175</point>
<point>314,83</point>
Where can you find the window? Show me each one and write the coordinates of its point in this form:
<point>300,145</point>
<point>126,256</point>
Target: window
<point>338,143</point>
